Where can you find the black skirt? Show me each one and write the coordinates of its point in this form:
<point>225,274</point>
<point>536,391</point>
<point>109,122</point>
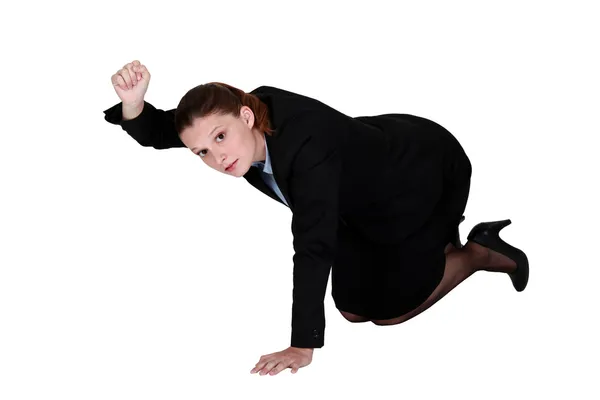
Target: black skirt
<point>383,281</point>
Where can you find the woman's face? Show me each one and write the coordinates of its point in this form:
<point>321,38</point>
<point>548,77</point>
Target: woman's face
<point>222,140</point>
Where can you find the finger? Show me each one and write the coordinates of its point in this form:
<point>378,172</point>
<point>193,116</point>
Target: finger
<point>278,368</point>
<point>256,369</point>
<point>125,74</point>
<point>269,367</point>
<point>135,67</point>
<point>126,77</point>
<point>119,82</point>
<point>143,71</point>
<point>294,367</point>
<point>137,74</point>
<point>259,365</point>
<point>132,76</point>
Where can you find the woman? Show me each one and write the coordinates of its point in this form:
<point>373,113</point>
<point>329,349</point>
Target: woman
<point>378,199</point>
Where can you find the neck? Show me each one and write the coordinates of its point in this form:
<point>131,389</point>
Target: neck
<point>260,153</point>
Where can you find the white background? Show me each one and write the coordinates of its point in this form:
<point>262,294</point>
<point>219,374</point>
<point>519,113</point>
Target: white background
<point>132,273</point>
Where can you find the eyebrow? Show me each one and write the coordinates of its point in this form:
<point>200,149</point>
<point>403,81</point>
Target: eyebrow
<point>209,135</point>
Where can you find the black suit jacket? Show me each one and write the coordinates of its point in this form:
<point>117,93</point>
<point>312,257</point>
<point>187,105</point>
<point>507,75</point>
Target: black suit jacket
<point>380,176</point>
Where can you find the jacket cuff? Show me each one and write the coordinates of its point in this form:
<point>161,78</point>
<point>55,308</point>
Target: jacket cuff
<point>114,115</point>
<point>308,339</point>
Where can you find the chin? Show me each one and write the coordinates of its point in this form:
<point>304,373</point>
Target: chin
<point>239,172</point>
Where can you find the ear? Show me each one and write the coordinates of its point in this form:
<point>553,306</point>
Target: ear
<point>247,116</point>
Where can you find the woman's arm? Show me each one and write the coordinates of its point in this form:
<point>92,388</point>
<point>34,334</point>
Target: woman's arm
<point>314,187</point>
<point>152,127</point>
<point>314,227</point>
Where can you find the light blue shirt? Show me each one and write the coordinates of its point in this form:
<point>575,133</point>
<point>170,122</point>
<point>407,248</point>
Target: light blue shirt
<point>267,174</point>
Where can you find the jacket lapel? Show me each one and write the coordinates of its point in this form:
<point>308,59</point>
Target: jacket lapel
<point>254,177</point>
<point>280,165</point>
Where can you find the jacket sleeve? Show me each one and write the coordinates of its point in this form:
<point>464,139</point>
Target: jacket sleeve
<point>314,187</point>
<point>152,128</point>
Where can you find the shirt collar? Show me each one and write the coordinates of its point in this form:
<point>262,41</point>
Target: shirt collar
<point>266,165</point>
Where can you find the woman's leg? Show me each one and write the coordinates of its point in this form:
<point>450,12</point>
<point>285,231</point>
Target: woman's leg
<point>359,318</point>
<point>460,264</point>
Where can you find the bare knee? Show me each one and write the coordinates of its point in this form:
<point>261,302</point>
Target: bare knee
<point>353,317</point>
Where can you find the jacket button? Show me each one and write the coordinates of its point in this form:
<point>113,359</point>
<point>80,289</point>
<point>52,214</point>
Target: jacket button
<point>315,334</point>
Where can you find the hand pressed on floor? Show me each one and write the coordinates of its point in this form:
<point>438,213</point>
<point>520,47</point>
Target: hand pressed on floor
<point>292,357</point>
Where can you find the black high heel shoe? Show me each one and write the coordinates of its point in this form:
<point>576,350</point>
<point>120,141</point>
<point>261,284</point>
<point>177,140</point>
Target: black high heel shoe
<point>487,235</point>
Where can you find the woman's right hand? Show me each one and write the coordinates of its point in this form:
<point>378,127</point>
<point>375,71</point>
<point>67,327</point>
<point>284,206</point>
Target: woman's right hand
<point>131,83</point>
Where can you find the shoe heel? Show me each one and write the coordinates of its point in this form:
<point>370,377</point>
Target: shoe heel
<point>487,234</point>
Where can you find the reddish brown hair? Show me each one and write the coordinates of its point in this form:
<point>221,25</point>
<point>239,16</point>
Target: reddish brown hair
<point>219,98</point>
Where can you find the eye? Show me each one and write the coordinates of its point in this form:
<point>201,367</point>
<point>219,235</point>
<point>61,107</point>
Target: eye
<point>203,154</point>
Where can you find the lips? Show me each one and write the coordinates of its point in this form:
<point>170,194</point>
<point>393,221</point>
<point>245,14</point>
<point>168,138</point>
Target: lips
<point>231,166</point>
